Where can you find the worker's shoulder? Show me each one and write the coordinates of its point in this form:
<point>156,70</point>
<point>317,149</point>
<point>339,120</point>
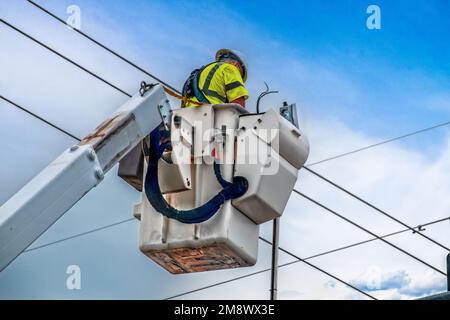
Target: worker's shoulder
<point>228,68</point>
<point>217,68</point>
<point>224,70</point>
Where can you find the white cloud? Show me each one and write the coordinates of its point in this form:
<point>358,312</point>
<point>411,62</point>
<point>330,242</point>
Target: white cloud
<point>398,284</point>
<point>374,279</point>
<point>426,285</point>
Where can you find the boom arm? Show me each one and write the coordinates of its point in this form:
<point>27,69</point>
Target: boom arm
<point>41,202</point>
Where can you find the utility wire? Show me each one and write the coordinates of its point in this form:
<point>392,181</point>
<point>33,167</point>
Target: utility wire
<point>103,46</point>
<point>369,232</point>
<point>65,58</point>
<point>298,259</point>
<point>374,207</point>
<point>356,244</point>
<point>246,275</point>
<point>318,269</point>
<point>79,235</point>
<point>310,257</point>
<point>40,118</point>
<point>216,284</point>
<point>380,143</point>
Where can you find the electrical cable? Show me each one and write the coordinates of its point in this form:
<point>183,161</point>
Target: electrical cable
<point>407,135</point>
<point>79,235</point>
<point>369,232</point>
<point>312,257</point>
<point>64,57</point>
<point>298,259</point>
<point>40,118</point>
<point>134,65</point>
<point>375,208</point>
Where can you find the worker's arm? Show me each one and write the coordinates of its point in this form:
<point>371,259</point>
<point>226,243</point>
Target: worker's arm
<point>240,101</point>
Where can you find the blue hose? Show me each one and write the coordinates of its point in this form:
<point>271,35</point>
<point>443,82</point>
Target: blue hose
<point>231,190</point>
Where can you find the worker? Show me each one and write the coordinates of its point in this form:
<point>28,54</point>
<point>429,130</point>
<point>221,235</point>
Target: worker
<point>219,82</point>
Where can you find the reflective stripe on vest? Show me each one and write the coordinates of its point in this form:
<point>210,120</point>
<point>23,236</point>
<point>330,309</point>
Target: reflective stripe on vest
<point>233,85</point>
<point>205,88</point>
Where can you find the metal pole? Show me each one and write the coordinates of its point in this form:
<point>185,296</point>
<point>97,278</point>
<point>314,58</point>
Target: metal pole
<point>448,272</point>
<point>274,271</point>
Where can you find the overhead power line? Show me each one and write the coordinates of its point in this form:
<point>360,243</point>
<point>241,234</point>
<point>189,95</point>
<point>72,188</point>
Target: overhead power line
<point>121,57</point>
<point>40,118</point>
<point>65,58</point>
<point>79,235</point>
<point>298,259</point>
<point>319,269</point>
<point>369,232</point>
<point>356,244</point>
<point>216,284</point>
<point>375,208</point>
<point>380,143</point>
<point>249,274</point>
<point>307,258</point>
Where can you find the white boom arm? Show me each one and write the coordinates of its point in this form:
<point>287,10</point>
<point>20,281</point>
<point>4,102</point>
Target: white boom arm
<point>41,202</point>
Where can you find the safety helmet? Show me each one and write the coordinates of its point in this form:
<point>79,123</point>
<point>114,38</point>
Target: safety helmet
<point>234,55</point>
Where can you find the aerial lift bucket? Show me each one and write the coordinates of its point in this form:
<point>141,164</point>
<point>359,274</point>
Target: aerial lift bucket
<point>265,149</point>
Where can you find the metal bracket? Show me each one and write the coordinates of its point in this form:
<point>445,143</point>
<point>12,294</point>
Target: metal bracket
<point>419,229</point>
<point>289,112</point>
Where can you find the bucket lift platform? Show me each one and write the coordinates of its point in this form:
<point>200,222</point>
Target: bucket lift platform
<point>265,149</point>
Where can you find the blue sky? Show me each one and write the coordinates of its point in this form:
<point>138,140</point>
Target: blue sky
<point>354,86</point>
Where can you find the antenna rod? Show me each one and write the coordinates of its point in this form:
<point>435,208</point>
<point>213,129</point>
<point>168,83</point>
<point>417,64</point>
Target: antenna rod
<point>448,272</point>
<point>274,270</point>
